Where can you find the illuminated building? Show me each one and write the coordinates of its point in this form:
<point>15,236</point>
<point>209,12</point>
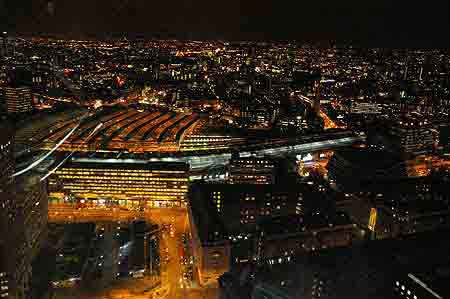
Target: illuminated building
<point>413,206</point>
<point>23,228</point>
<point>246,108</point>
<point>263,222</point>
<point>32,195</point>
<point>279,239</point>
<point>361,113</point>
<point>243,204</point>
<point>18,100</point>
<point>412,136</point>
<point>6,158</point>
<point>127,130</point>
<point>41,76</point>
<point>251,170</point>
<point>396,207</point>
<point>134,184</point>
<point>316,102</point>
<point>7,283</point>
<point>207,142</point>
<point>364,108</point>
<point>264,117</point>
<point>444,137</point>
<point>4,271</point>
<point>155,71</point>
<point>3,44</point>
<point>292,121</point>
<point>373,219</point>
<point>210,247</point>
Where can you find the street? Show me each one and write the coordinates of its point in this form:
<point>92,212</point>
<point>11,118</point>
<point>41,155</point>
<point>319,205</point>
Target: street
<point>172,286</point>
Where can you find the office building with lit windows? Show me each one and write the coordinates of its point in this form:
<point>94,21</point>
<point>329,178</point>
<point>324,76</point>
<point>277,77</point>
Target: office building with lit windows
<point>128,183</point>
<point>251,170</point>
<point>210,246</point>
<point>413,135</point>
<point>17,99</point>
<point>403,207</point>
<point>358,107</point>
<point>257,222</point>
<point>279,239</point>
<point>4,273</point>
<point>243,204</point>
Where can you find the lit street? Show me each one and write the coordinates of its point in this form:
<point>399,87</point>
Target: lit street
<point>173,286</point>
<point>194,150</point>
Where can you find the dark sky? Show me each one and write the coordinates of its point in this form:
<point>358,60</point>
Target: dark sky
<point>377,22</point>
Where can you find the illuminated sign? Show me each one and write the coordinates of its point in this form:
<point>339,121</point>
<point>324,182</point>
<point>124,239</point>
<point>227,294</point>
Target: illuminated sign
<point>372,219</point>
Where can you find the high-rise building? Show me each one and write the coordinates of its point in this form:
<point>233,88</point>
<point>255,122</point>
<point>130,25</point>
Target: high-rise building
<point>245,108</point>
<point>42,76</point>
<point>6,157</point>
<point>129,183</point>
<point>7,285</point>
<point>17,99</point>
<point>3,44</point>
<point>210,246</point>
<point>145,252</point>
<point>316,101</point>
<point>412,135</point>
<point>23,223</point>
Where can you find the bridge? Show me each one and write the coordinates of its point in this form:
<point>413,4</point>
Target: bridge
<point>201,162</point>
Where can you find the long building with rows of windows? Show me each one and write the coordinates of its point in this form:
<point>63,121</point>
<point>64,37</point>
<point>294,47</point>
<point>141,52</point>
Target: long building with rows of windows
<point>128,183</point>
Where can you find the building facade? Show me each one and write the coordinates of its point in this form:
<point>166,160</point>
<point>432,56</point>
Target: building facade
<point>17,99</point>
<point>7,285</point>
<point>23,223</point>
<point>245,223</point>
<point>151,184</point>
<point>251,170</point>
<point>413,136</point>
<point>352,170</point>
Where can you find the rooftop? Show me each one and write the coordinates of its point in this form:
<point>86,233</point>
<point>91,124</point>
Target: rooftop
<point>367,271</point>
<point>126,164</point>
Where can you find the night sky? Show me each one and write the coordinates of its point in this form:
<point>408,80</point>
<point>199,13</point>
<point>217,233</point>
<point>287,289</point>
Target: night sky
<point>372,22</point>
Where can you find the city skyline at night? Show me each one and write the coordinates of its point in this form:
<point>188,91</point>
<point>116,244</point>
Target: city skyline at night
<point>238,150</point>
